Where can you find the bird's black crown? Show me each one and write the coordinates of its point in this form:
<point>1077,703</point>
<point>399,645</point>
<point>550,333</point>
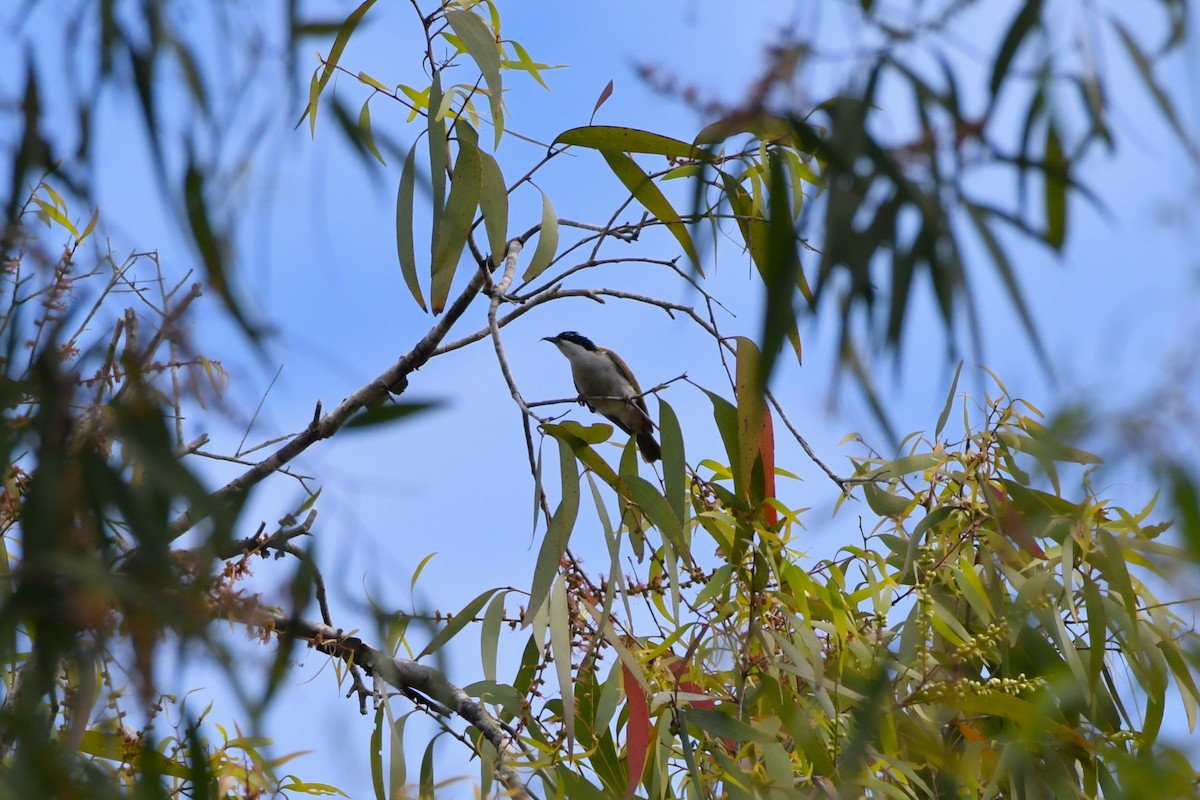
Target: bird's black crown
<point>576,338</point>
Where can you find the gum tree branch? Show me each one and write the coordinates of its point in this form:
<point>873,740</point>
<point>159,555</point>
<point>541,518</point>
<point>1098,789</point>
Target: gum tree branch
<point>406,676</point>
<point>392,380</point>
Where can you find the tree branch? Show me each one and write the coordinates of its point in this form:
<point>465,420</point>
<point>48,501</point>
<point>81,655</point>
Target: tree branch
<point>406,676</point>
<point>394,379</point>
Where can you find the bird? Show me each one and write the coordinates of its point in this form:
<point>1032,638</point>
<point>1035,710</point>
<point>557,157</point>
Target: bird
<point>607,386</point>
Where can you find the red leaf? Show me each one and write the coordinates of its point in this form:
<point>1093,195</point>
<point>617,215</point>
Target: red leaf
<point>637,732</point>
<point>677,668</point>
<point>604,95</point>
<point>1012,524</point>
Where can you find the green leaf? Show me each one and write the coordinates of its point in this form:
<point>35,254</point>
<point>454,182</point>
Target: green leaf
<point>782,272</point>
<point>427,786</point>
<point>58,216</point>
<point>493,203</point>
<point>374,84</point>
<point>749,388</point>
<point>560,648</point>
<point>384,414</point>
<point>437,150</point>
<point>364,129</point>
<point>1023,23</point>
<point>397,766</point>
<point>651,197</point>
<point>674,464</point>
<point>451,235</point>
<point>725,415</point>
<point>906,465</point>
<point>580,437</point>
<point>1055,171</point>
<point>489,635</point>
<point>404,227</point>
<point>656,507</point>
<point>205,237</point>
<point>482,46</point>
<point>547,244</point>
<point>91,226</point>
<point>721,724</point>
<point>524,62</point>
<point>945,415</point>
<point>1146,72</point>
<point>627,140</point>
<point>977,215</point>
<point>376,756</point>
<point>558,533</point>
<point>883,503</point>
<point>339,43</point>
<point>762,126</point>
<point>456,623</point>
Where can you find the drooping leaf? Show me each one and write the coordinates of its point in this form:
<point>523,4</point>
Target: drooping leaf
<point>436,131</point>
<point>1161,99</point>
<point>1055,178</point>
<point>637,730</point>
<point>493,204</point>
<point>404,227</point>
<point>649,195</point>
<point>716,721</point>
<point>450,237</point>
<point>1022,24</point>
<point>558,533</point>
<point>1011,523</point>
<point>656,507</point>
<point>547,244</point>
<point>781,273</point>
<point>560,648</point>
<point>482,45</point>
<point>339,43</point>
<point>674,464</point>
<point>364,130</point>
<point>749,386</point>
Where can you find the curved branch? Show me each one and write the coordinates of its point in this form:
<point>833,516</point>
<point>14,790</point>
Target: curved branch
<point>393,380</point>
<point>406,676</point>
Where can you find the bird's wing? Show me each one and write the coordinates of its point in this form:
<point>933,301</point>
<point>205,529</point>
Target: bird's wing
<point>639,401</point>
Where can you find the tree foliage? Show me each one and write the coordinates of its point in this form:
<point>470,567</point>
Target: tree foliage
<point>999,629</point>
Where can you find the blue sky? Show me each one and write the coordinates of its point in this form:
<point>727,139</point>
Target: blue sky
<point>317,260</point>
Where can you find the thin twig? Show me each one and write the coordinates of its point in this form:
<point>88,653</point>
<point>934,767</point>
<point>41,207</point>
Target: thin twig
<point>393,379</point>
<point>406,676</point>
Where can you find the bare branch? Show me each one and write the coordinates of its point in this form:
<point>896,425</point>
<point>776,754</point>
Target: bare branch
<point>406,676</point>
<point>392,380</point>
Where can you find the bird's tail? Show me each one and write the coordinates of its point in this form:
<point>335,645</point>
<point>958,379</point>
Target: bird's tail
<point>648,445</point>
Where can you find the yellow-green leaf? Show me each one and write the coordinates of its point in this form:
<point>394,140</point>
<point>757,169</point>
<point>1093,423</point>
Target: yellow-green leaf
<point>547,244</point>
<point>404,227</point>
<point>493,203</point>
<point>457,623</point>
<point>651,197</point>
<point>339,45</point>
<point>451,235</point>
<point>558,533</point>
<point>627,140</point>
<point>364,128</point>
<point>482,46</point>
<point>560,648</point>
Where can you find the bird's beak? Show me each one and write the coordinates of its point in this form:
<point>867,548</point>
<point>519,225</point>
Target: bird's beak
<point>549,339</point>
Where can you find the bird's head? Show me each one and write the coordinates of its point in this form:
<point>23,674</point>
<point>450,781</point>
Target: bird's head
<point>570,340</point>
